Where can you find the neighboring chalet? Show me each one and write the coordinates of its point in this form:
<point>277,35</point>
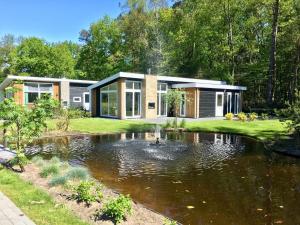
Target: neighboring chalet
<point>71,93</point>
<point>132,95</point>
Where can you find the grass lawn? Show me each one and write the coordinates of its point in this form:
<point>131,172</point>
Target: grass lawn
<point>260,129</point>
<point>35,203</point>
<point>101,125</point>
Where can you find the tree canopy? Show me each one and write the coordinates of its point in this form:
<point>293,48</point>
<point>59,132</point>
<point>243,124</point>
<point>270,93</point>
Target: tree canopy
<point>255,43</point>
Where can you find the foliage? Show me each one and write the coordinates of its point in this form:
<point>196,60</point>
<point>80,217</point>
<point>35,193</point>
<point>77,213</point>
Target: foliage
<point>182,123</point>
<point>253,116</point>
<point>242,116</point>
<point>229,116</point>
<point>117,209</point>
<point>23,124</point>
<point>58,180</point>
<point>79,173</point>
<point>174,123</point>
<point>264,116</point>
<point>55,160</point>
<point>291,114</point>
<point>50,169</point>
<point>65,116</point>
<point>87,192</point>
<point>168,124</point>
<point>20,159</point>
<point>169,222</point>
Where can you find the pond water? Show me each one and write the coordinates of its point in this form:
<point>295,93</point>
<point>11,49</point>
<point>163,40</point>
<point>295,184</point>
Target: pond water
<point>194,178</point>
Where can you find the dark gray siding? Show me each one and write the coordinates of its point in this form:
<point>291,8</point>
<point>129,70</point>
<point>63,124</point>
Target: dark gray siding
<point>207,106</point>
<point>77,90</point>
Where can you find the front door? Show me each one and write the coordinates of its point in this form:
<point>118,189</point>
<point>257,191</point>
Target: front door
<point>86,101</point>
<point>219,103</point>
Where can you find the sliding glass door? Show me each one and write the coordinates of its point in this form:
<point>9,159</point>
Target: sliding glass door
<point>133,99</point>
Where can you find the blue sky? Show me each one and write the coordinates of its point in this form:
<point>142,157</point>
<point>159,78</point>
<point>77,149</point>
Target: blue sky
<point>53,20</point>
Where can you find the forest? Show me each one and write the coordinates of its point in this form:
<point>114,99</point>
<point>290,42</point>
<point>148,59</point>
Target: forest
<point>255,43</point>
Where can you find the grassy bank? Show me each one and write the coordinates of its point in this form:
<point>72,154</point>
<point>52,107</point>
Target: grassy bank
<point>101,125</point>
<point>260,129</point>
<point>35,203</point>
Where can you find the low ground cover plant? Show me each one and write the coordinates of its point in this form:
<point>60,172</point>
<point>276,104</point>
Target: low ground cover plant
<point>242,117</point>
<point>117,209</point>
<point>50,169</point>
<point>78,173</point>
<point>253,116</point>
<point>264,116</point>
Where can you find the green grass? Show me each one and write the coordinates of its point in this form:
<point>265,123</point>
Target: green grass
<point>101,125</point>
<point>260,129</point>
<point>35,203</point>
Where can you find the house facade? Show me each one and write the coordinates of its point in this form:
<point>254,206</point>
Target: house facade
<point>71,93</point>
<point>132,95</point>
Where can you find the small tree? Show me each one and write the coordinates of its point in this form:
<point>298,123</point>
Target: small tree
<point>24,124</point>
<point>174,99</point>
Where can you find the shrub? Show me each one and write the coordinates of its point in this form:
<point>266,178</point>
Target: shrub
<point>174,123</point>
<point>87,192</point>
<point>21,160</point>
<point>252,116</point>
<point>242,117</point>
<point>168,124</point>
<point>38,160</point>
<point>78,172</point>
<point>117,209</point>
<point>229,116</point>
<point>58,180</point>
<point>169,222</point>
<point>264,116</point>
<point>51,169</point>
<point>182,123</point>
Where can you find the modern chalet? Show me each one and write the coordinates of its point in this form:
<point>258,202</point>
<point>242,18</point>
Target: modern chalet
<point>71,93</point>
<point>132,95</point>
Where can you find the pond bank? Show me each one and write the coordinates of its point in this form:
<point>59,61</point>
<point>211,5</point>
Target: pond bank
<point>141,215</point>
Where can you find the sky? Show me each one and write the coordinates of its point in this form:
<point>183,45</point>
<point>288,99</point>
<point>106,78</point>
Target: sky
<point>53,20</point>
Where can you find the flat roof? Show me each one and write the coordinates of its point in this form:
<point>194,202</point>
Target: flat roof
<point>11,78</point>
<point>180,82</point>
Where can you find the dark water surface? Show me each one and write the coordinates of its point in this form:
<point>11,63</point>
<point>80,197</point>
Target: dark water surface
<point>195,178</point>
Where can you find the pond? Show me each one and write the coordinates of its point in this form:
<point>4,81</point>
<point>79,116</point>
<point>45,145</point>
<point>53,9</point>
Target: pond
<point>194,178</point>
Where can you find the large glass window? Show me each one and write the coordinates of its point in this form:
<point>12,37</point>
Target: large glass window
<point>133,98</point>
<point>33,91</point>
<point>109,100</point>
<point>162,105</point>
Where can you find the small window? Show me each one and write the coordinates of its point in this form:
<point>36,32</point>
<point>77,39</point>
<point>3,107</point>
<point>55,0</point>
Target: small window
<point>163,87</point>
<point>86,98</point>
<point>137,85</point>
<point>129,85</point>
<point>220,100</point>
<point>31,97</point>
<point>45,87</point>
<point>76,99</point>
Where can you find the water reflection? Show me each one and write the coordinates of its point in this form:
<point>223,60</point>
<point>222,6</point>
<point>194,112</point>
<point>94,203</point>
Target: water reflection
<point>228,179</point>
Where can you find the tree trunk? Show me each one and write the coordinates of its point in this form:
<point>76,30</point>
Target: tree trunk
<point>272,59</point>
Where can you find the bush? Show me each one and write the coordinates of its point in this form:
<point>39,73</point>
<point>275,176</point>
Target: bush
<point>168,124</point>
<point>264,116</point>
<point>242,117</point>
<point>78,172</point>
<point>174,123</point>
<point>252,116</point>
<point>182,123</point>
<point>169,222</point>
<point>117,209</point>
<point>38,161</point>
<point>58,180</point>
<point>87,192</point>
<point>229,116</point>
<point>21,160</point>
<point>51,169</point>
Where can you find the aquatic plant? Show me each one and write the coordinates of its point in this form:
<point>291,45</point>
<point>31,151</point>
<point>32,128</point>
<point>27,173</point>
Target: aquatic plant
<point>169,222</point>
<point>78,172</point>
<point>117,209</point>
<point>50,169</point>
